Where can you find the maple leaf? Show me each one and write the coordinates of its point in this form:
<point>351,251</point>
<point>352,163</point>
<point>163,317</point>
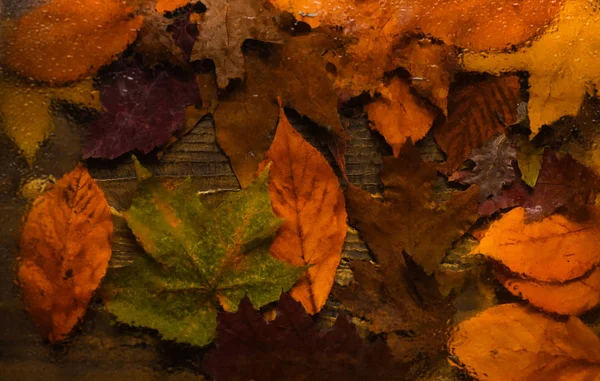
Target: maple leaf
<point>65,249</point>
<point>560,65</point>
<point>398,114</point>
<point>494,167</point>
<point>35,45</point>
<point>476,112</point>
<point>407,220</point>
<point>306,193</point>
<point>512,342</point>
<point>561,182</point>
<point>225,26</point>
<point>291,347</point>
<point>555,249</point>
<point>570,298</point>
<point>197,259</point>
<point>25,110</point>
<point>246,119</point>
<point>143,110</point>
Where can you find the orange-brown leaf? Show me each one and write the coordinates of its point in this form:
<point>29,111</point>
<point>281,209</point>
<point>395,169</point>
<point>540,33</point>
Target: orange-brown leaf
<point>512,342</point>
<point>169,5</point>
<point>555,249</point>
<point>65,249</point>
<point>571,298</point>
<point>65,40</point>
<point>398,115</point>
<point>306,193</point>
<point>477,111</point>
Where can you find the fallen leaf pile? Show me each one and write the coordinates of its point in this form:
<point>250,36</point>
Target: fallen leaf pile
<point>417,192</point>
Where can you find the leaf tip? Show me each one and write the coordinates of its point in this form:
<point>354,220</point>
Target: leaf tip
<point>141,172</point>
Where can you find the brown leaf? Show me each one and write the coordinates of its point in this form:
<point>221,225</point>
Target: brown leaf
<point>511,342</point>
<point>571,298</point>
<point>245,119</point>
<point>398,114</point>
<point>407,219</point>
<point>37,43</point>
<point>223,29</point>
<point>476,112</point>
<point>306,193</point>
<point>555,249</point>
<point>65,249</point>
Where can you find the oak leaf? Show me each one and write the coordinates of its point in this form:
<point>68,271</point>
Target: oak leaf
<point>292,347</point>
<point>225,26</point>
<point>570,298</point>
<point>198,259</point>
<point>143,110</point>
<point>96,31</point>
<point>245,119</point>
<point>512,342</point>
<point>561,68</point>
<point>398,114</point>
<point>65,249</point>
<point>26,112</point>
<point>494,167</point>
<point>306,193</point>
<point>407,219</point>
<point>555,249</point>
<point>477,111</point>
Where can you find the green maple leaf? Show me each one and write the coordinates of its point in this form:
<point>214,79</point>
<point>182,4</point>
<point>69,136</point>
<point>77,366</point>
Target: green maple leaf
<point>199,259</point>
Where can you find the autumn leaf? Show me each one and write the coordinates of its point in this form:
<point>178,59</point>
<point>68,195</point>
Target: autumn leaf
<point>529,159</point>
<point>570,298</point>
<point>198,259</point>
<point>407,219</point>
<point>57,43</point>
<point>245,119</point>
<point>562,183</point>
<point>64,252</point>
<point>26,113</point>
<point>512,342</point>
<point>477,111</point>
<point>554,249</point>
<point>143,110</point>
<point>225,26</point>
<point>560,65</point>
<point>292,347</point>
<point>494,167</point>
<point>163,6</point>
<point>306,193</point>
<point>398,114</point>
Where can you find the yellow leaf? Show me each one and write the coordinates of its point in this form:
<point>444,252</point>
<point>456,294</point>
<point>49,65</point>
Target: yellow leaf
<point>25,110</point>
<point>562,63</point>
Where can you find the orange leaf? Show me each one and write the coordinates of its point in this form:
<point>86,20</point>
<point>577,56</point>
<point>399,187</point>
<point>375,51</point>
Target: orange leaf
<point>554,249</point>
<point>169,5</point>
<point>511,342</point>
<point>306,193</point>
<point>65,249</point>
<point>65,40</point>
<point>572,298</point>
<point>399,115</point>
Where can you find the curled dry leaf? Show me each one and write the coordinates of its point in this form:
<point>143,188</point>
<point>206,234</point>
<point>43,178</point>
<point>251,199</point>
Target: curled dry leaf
<point>26,114</point>
<point>561,68</point>
<point>476,112</point>
<point>512,342</point>
<point>398,114</point>
<point>292,347</point>
<point>306,193</point>
<point>199,259</point>
<point>554,249</point>
<point>571,298</point>
<point>143,110</point>
<point>65,249</point>
<point>96,31</point>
